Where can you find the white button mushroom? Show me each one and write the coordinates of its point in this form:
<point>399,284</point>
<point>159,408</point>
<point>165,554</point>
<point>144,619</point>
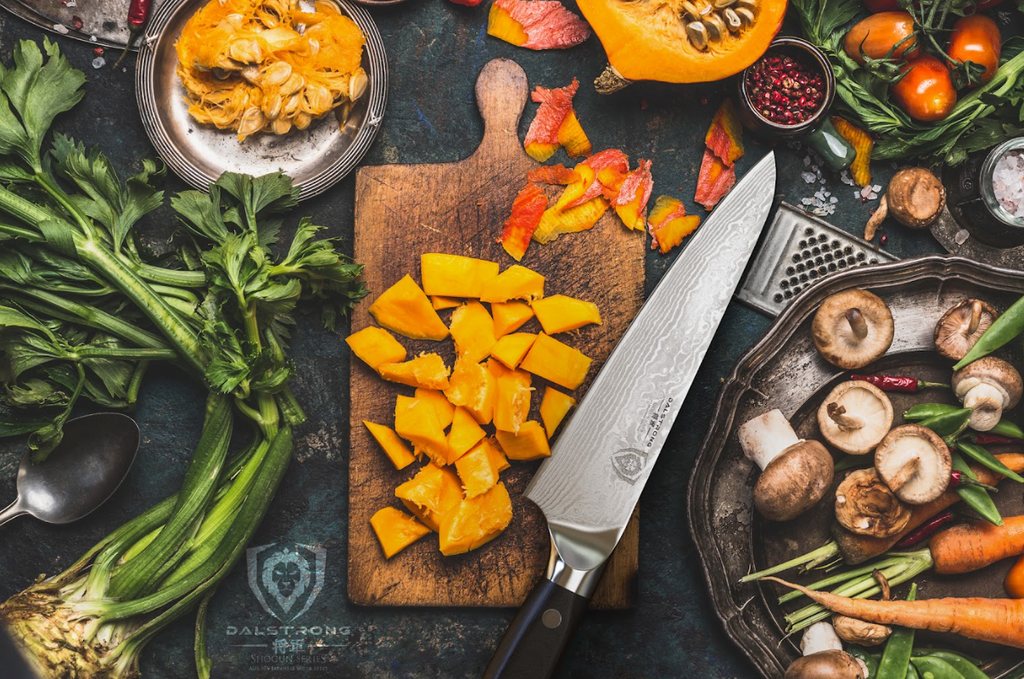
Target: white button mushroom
<point>824,657</point>
<point>962,326</point>
<point>915,463</point>
<point>988,386</point>
<point>852,328</point>
<point>855,416</point>
<point>795,474</point>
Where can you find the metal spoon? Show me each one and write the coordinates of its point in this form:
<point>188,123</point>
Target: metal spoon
<point>81,473</point>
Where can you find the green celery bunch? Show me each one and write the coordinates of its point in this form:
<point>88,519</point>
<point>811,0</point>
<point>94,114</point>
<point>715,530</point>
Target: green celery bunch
<point>83,312</point>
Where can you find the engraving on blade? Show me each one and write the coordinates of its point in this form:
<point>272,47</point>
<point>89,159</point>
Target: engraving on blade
<point>602,459</point>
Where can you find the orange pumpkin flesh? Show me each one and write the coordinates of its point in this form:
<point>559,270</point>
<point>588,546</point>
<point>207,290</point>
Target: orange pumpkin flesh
<point>647,40</point>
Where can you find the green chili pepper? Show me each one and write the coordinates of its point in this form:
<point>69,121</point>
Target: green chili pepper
<point>983,457</point>
<point>976,497</point>
<point>869,659</point>
<point>1007,429</point>
<point>896,656</point>
<point>923,411</point>
<point>930,667</point>
<point>961,664</point>
<point>948,425</point>
<point>1009,325</point>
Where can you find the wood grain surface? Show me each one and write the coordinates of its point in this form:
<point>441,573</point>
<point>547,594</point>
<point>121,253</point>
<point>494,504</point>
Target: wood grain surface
<point>402,211</point>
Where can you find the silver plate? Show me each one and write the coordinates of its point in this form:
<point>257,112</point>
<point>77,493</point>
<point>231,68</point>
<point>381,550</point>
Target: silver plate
<point>784,371</point>
<point>315,158</point>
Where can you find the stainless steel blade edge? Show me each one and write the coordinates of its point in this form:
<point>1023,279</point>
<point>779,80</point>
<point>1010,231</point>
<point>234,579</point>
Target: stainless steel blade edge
<point>589,486</point>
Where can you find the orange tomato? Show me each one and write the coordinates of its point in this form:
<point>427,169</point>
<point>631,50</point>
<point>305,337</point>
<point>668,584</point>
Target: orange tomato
<point>875,35</point>
<point>1014,583</point>
<point>976,38</point>
<point>926,89</point>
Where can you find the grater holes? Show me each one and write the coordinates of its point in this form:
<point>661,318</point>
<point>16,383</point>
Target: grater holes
<point>778,297</point>
<point>790,271</point>
<point>800,268</point>
<point>808,231</point>
<point>848,250</point>
<point>861,256</point>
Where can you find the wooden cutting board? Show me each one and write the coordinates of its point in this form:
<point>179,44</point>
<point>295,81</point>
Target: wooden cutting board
<point>402,211</point>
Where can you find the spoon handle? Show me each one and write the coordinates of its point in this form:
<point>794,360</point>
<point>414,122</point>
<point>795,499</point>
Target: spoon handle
<point>12,511</point>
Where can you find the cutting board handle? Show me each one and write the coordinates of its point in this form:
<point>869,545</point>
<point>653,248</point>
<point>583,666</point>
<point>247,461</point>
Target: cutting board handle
<point>501,93</point>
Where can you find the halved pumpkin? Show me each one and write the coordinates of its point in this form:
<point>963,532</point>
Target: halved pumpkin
<point>650,40</point>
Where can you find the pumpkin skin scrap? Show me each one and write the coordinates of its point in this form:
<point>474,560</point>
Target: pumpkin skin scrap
<point>647,40</point>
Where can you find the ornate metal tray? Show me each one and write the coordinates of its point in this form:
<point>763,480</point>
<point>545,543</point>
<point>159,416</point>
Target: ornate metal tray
<point>784,371</point>
<point>315,158</point>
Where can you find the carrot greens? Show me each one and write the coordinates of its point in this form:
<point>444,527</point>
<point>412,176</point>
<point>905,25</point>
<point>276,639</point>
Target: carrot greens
<point>83,312</point>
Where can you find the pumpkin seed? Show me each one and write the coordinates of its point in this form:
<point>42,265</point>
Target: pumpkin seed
<point>732,20</point>
<point>272,107</point>
<point>698,34</point>
<point>690,11</point>
<point>281,126</point>
<point>748,4</point>
<point>252,122</point>
<point>746,15</point>
<point>277,73</point>
<point>706,10</point>
<point>715,27</point>
<point>357,85</point>
<point>293,84</point>
<point>722,4</point>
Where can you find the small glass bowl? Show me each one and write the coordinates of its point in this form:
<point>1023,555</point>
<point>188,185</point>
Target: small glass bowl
<point>987,189</point>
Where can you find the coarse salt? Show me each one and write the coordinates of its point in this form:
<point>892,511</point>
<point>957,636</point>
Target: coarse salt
<point>61,28</point>
<point>1008,182</point>
<point>99,62</point>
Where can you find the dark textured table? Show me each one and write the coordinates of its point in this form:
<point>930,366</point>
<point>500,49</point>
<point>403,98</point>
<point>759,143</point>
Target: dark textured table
<point>435,50</point>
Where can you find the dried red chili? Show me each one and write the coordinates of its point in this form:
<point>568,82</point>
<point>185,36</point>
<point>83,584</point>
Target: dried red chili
<point>784,89</point>
<point>901,383</point>
<point>928,529</point>
<point>138,15</point>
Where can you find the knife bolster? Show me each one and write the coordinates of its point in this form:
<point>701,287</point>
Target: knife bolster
<point>580,582</point>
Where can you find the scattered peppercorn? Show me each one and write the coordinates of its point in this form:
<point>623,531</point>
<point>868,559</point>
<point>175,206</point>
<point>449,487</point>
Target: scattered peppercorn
<point>884,239</point>
<point>77,22</point>
<point>785,90</point>
<point>98,51</point>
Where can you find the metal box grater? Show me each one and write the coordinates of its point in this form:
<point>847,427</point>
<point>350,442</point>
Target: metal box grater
<point>798,251</point>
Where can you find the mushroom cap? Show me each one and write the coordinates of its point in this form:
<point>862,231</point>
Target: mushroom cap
<point>854,631</point>
<point>866,506</point>
<point>992,371</point>
<point>860,401</point>
<point>826,665</point>
<point>899,448</point>
<point>835,338</point>
<point>915,197</point>
<point>794,481</point>
<point>954,336</point>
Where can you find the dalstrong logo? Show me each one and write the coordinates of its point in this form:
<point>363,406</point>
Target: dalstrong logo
<point>629,464</point>
<point>286,577</point>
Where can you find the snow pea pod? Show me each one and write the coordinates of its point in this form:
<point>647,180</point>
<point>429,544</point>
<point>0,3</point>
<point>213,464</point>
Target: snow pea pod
<point>1008,429</point>
<point>976,497</point>
<point>912,672</point>
<point>923,411</point>
<point>1008,326</point>
<point>896,656</point>
<point>930,667</point>
<point>961,664</point>
<point>983,457</point>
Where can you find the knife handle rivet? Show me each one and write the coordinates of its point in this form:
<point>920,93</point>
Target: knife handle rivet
<point>551,618</point>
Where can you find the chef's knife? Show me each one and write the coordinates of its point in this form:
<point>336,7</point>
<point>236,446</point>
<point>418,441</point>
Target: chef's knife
<point>590,485</point>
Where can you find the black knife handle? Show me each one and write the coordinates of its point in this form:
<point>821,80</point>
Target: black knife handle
<point>534,643</point>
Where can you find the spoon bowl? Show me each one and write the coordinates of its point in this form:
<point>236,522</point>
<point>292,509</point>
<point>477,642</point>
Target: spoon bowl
<point>81,473</point>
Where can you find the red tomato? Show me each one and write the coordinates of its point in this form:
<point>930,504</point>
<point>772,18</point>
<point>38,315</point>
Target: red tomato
<point>1014,583</point>
<point>976,38</point>
<point>926,92</point>
<point>875,35</point>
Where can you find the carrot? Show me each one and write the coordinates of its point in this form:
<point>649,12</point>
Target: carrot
<point>970,546</point>
<point>859,548</point>
<point>999,621</point>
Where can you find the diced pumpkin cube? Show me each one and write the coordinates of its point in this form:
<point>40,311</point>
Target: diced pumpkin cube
<point>439,303</point>
<point>431,494</point>
<point>476,521</point>
<point>553,409</point>
<point>426,370</point>
<point>454,275</point>
<point>393,446</point>
<point>510,316</point>
<point>560,313</point>
<point>515,282</point>
<point>442,406</point>
<point>512,405</point>
<point>511,349</point>
<point>472,329</point>
<point>396,530</point>
<point>375,347</point>
<point>405,309</point>
<point>479,469</point>
<point>495,453</point>
<point>473,387</point>
<point>556,362</point>
<point>465,434</point>
<point>416,421</point>
<point>529,443</point>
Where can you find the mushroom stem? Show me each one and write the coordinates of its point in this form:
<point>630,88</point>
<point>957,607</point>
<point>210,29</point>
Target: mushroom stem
<point>905,473</point>
<point>837,414</point>
<point>821,636</point>
<point>877,217</point>
<point>976,311</point>
<point>765,437</point>
<point>987,403</point>
<point>857,323</point>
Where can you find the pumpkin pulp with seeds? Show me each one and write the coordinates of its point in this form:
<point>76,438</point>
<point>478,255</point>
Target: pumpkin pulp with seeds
<point>682,40</point>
